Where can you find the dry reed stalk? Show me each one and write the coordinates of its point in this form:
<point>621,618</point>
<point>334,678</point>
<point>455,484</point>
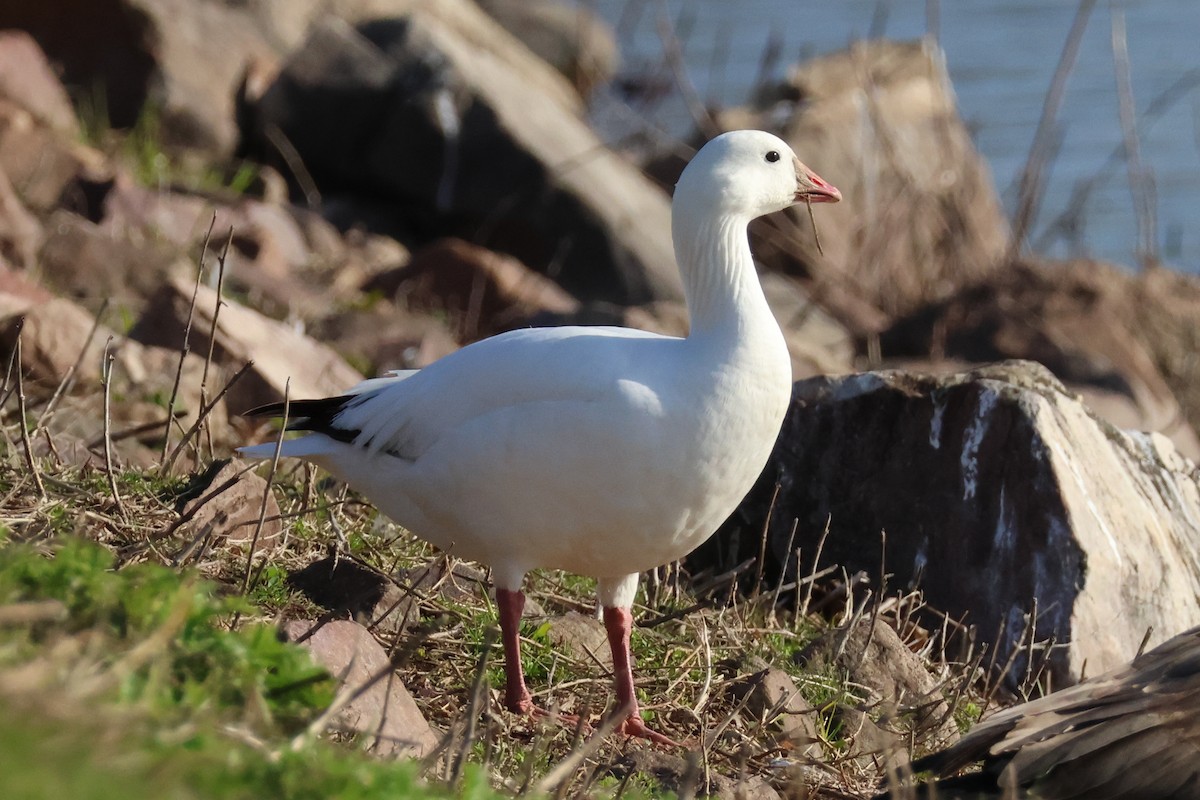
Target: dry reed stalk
<point>212,331</point>
<point>816,562</point>
<point>185,347</point>
<point>26,445</point>
<point>673,52</point>
<point>1141,181</point>
<point>1032,180</point>
<point>262,510</point>
<point>106,380</point>
<point>760,565</point>
<point>813,221</point>
<point>474,699</point>
<point>204,412</point>
<point>68,379</point>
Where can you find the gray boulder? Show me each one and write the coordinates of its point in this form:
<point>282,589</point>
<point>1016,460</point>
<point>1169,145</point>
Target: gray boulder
<point>998,490</point>
<point>409,111</point>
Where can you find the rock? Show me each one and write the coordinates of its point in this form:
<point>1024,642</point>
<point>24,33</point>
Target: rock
<point>482,291</point>
<point>902,695</point>
<point>386,712</point>
<point>581,638</point>
<point>183,58</point>
<point>223,509</point>
<point>20,233</point>
<point>996,488</point>
<point>451,580</point>
<point>776,700</point>
<point>27,79</point>
<point>478,31</point>
<point>53,337</point>
<point>1079,319</point>
<point>279,352</point>
<point>415,113</point>
<point>268,252</point>
<point>40,162</point>
<point>57,334</point>
<point>18,292</point>
<point>83,260</point>
<point>572,38</point>
<point>383,337</point>
<point>920,216</point>
<point>369,597</point>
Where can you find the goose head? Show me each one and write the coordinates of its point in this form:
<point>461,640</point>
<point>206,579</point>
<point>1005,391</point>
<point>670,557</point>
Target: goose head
<point>748,174</point>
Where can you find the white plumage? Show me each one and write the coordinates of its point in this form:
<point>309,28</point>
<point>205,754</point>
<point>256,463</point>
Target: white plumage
<point>598,450</point>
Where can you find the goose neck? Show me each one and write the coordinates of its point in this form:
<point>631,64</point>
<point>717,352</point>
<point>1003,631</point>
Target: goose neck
<point>720,284</point>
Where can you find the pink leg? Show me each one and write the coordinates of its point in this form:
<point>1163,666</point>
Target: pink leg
<point>516,695</point>
<point>619,624</point>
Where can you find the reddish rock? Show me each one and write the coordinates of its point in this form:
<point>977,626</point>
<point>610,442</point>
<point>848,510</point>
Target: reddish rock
<point>385,714</point>
<point>225,507</point>
<point>20,233</point>
<point>28,80</point>
<point>90,263</point>
<point>18,293</point>
<point>483,291</point>
<point>53,337</point>
<point>40,162</point>
<point>278,351</point>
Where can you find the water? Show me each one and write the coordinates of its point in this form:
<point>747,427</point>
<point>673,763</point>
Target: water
<point>1001,55</point>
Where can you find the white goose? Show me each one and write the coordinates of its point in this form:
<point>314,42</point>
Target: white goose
<point>598,450</point>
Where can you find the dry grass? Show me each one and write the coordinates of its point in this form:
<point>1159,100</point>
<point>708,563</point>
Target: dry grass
<point>695,651</point>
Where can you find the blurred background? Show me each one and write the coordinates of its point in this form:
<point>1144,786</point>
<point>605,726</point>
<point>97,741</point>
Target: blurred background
<point>1001,56</point>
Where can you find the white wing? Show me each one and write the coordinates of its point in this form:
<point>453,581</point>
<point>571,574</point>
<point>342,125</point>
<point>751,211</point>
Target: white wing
<point>405,415</point>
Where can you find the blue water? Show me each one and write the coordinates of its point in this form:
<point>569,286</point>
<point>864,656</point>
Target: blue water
<point>1001,57</point>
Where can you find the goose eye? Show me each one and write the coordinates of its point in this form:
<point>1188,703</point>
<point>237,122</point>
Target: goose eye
<point>772,156</point>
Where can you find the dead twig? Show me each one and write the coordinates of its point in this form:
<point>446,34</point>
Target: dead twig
<point>68,379</point>
<point>262,510</point>
<point>212,330</point>
<point>106,381</point>
<point>204,412</point>
<point>26,445</point>
<point>184,349</point>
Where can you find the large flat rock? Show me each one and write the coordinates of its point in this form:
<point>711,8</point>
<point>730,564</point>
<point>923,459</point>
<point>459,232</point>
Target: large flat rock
<point>282,356</point>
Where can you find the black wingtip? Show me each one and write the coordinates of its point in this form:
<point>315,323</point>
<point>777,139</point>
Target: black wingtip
<point>311,415</point>
<point>322,408</point>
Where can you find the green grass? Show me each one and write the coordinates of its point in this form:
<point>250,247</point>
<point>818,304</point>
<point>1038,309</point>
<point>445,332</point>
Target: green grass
<point>143,150</point>
<point>159,678</point>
